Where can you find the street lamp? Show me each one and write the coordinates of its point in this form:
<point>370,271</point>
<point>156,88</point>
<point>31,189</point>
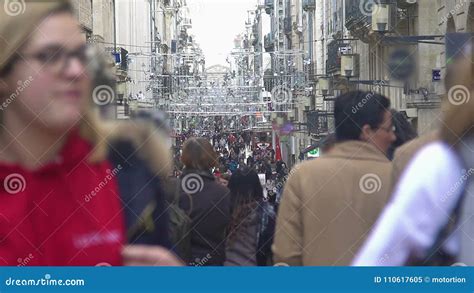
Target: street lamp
<point>381,17</point>
<point>349,66</point>
<point>325,86</point>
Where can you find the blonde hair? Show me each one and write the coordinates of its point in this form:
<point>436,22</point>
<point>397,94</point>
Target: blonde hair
<point>145,137</point>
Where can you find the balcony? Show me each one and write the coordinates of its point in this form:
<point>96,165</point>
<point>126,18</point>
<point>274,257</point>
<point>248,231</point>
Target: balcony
<point>357,21</point>
<point>187,23</point>
<point>359,17</point>
<point>423,98</point>
<point>318,122</point>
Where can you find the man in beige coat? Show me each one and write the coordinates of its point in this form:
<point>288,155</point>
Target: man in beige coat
<point>330,204</point>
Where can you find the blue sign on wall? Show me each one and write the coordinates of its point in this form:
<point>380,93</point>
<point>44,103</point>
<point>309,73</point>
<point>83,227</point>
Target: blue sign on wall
<point>436,75</point>
<point>117,57</point>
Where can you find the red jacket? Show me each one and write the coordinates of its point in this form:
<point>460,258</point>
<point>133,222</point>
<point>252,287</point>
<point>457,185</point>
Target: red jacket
<point>67,213</point>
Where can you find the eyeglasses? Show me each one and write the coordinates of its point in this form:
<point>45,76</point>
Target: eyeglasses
<point>392,128</point>
<point>56,60</point>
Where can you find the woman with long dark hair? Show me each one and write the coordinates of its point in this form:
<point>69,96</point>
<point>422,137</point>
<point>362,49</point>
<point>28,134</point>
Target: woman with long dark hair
<point>250,232</point>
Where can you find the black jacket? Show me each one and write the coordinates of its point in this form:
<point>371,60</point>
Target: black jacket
<point>142,196</point>
<point>208,204</point>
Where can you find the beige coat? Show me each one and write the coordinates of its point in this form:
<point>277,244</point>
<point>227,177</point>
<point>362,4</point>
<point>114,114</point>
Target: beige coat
<point>405,153</point>
<point>330,204</point>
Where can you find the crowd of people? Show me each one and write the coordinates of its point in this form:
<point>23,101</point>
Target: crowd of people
<point>77,190</point>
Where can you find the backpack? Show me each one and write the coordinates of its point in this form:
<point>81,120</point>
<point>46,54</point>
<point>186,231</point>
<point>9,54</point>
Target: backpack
<point>436,255</point>
<point>180,225</point>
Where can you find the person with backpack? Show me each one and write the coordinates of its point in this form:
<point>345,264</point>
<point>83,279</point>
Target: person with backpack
<point>206,201</point>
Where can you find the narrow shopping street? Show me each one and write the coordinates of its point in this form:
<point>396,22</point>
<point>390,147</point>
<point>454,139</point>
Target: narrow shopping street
<point>249,133</point>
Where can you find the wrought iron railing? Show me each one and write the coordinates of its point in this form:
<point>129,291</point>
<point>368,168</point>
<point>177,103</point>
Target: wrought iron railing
<point>317,122</point>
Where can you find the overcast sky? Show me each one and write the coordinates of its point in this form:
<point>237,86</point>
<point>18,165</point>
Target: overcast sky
<point>215,25</point>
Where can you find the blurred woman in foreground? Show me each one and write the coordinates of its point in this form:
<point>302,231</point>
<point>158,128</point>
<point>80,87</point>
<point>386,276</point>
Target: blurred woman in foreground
<point>74,192</point>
